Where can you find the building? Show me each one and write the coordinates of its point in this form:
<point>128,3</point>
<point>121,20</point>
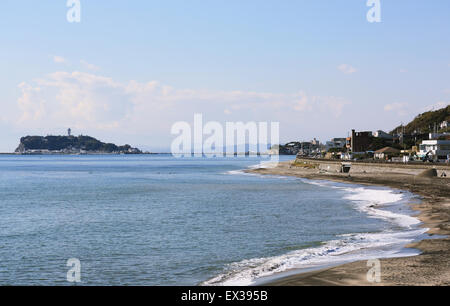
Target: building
<point>308,148</point>
<point>336,143</point>
<point>438,149</point>
<point>386,153</point>
<point>360,141</point>
<point>300,148</point>
<point>348,143</point>
<point>382,134</point>
<point>432,136</point>
<point>444,124</point>
<point>291,148</point>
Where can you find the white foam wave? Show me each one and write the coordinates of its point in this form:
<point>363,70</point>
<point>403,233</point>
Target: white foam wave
<point>350,248</point>
<point>262,165</point>
<point>234,172</point>
<point>375,201</point>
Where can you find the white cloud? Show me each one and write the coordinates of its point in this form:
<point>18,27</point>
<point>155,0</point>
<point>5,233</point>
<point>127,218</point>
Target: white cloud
<point>59,59</point>
<point>83,100</point>
<point>400,108</point>
<point>335,105</point>
<point>94,103</point>
<point>302,102</point>
<point>347,69</point>
<point>89,66</point>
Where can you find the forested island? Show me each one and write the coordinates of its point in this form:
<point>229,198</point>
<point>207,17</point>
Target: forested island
<point>70,145</point>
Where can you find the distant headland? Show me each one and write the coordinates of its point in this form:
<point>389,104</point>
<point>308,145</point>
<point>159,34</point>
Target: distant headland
<point>70,145</point>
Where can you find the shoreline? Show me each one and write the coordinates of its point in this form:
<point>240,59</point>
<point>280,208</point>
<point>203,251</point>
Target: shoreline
<point>431,267</point>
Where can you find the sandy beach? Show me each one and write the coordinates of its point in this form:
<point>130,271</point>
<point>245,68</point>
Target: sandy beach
<point>431,267</point>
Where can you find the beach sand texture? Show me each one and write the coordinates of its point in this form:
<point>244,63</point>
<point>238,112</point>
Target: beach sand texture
<point>430,268</point>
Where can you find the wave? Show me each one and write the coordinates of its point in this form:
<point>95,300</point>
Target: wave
<point>351,247</point>
<point>375,202</point>
<point>261,165</point>
<point>264,165</point>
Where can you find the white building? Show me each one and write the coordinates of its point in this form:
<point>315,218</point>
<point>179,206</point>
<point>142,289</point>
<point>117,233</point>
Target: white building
<point>386,153</point>
<point>438,149</point>
<point>436,135</point>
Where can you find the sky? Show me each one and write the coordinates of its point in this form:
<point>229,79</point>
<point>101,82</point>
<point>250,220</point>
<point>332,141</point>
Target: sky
<point>129,70</point>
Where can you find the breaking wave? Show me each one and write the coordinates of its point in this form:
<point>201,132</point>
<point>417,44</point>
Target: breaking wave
<point>382,203</point>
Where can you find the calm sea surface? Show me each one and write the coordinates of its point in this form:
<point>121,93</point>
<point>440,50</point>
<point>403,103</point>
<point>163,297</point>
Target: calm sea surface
<point>157,220</point>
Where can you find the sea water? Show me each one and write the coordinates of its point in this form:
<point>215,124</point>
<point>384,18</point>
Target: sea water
<point>160,220</point>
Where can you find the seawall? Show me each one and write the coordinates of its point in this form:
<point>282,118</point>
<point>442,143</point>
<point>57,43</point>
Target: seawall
<point>335,166</point>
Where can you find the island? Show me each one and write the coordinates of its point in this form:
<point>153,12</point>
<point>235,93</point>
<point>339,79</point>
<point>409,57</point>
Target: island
<point>70,145</point>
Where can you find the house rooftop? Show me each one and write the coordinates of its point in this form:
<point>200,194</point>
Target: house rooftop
<point>388,150</point>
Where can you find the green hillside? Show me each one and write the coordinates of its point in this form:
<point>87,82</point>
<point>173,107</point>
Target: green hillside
<point>70,143</point>
<point>425,123</point>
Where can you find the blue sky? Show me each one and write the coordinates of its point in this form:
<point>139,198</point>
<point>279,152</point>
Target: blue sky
<point>130,69</point>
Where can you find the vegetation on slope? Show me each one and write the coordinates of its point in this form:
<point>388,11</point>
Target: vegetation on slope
<point>59,143</point>
<point>426,122</point>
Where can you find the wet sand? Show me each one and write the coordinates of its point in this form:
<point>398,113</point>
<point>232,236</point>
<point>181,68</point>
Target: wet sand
<point>430,268</point>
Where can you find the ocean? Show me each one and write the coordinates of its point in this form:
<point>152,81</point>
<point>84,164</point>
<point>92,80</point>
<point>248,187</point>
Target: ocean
<point>159,220</point>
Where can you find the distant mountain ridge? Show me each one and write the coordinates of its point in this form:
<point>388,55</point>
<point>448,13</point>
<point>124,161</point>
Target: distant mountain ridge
<point>69,145</point>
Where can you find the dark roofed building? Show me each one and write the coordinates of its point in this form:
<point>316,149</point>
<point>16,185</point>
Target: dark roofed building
<point>360,141</point>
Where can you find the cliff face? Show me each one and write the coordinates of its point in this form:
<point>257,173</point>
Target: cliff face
<point>70,144</point>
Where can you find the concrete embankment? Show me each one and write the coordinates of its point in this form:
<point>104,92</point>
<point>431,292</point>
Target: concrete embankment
<point>336,166</point>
